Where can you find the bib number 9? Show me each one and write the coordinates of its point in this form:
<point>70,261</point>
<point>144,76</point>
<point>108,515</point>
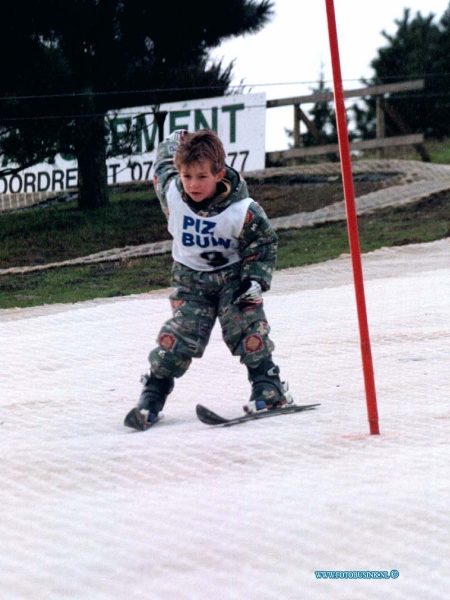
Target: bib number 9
<point>214,259</point>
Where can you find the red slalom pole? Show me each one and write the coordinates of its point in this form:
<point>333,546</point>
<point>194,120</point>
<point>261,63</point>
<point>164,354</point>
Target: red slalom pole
<point>352,221</point>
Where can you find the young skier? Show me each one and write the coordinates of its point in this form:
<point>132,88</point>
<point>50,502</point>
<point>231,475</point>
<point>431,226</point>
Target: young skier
<point>224,252</point>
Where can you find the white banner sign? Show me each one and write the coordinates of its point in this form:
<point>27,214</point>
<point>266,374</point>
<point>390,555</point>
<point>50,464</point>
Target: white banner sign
<point>238,120</point>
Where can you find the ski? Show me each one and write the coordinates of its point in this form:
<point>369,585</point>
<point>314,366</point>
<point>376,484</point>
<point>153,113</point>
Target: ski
<point>211,418</point>
<point>136,420</point>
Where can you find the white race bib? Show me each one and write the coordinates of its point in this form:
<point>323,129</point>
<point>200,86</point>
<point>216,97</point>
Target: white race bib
<point>205,243</point>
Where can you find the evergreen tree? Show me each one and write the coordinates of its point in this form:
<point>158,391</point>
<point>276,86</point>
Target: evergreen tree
<point>419,49</point>
<point>322,117</point>
<point>66,64</point>
<point>322,128</point>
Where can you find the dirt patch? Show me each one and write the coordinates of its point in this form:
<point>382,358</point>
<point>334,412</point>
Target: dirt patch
<point>288,195</point>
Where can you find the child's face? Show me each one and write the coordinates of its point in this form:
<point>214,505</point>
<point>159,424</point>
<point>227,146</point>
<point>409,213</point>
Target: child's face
<point>198,180</point>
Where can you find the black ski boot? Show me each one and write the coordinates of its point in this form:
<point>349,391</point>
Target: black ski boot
<point>268,391</point>
<point>151,401</point>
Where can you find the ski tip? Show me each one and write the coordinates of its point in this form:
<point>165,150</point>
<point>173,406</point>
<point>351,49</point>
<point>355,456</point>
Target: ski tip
<point>135,420</point>
<point>208,416</point>
<point>202,411</point>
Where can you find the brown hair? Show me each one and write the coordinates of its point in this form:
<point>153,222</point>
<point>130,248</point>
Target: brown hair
<point>198,147</point>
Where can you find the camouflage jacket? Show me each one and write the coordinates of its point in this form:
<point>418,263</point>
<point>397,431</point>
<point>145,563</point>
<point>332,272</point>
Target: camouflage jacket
<point>257,240</point>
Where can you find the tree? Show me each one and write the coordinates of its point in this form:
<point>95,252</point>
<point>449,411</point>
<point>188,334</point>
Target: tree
<point>69,63</point>
<point>321,120</point>
<point>419,49</point>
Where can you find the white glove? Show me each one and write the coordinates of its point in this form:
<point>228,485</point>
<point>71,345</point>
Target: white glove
<point>176,135</point>
<point>250,292</point>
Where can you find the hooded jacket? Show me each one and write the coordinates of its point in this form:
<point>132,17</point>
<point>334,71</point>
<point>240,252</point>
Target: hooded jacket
<point>251,240</point>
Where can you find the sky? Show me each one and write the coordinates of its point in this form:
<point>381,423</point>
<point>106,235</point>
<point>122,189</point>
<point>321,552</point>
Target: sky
<point>286,58</point>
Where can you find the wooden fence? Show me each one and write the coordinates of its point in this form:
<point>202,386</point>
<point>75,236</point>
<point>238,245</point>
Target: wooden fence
<point>383,109</point>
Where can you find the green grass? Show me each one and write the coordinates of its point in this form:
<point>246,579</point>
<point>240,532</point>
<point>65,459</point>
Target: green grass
<point>76,284</point>
<point>425,221</point>
<point>55,234</point>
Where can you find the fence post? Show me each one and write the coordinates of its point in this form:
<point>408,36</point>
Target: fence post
<point>297,117</point>
<point>381,124</point>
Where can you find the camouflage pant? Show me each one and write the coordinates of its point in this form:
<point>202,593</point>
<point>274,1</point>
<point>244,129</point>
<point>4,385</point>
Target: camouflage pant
<point>198,299</point>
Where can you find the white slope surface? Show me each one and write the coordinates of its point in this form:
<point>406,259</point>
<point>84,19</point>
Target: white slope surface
<point>93,511</point>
